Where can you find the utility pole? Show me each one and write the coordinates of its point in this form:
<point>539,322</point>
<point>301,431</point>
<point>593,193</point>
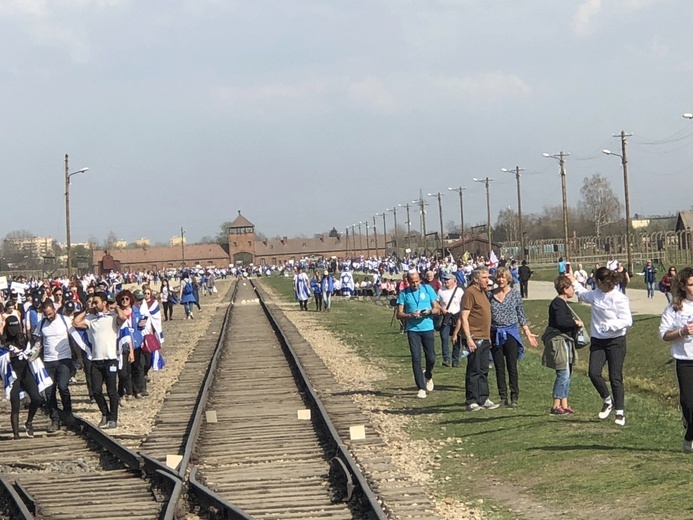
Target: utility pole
<point>486,181</point>
<point>408,225</point>
<point>629,223</point>
<point>460,190</point>
<point>440,213</point>
<point>346,247</point>
<point>422,218</point>
<point>353,238</point>
<point>384,234</point>
<point>360,240</point>
<point>368,244</point>
<point>394,234</point>
<point>561,160</point>
<point>376,236</point>
<point>67,219</point>
<point>182,244</point>
<point>517,171</point>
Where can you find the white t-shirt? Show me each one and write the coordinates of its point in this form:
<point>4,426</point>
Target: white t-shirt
<point>103,335</point>
<point>56,343</point>
<point>444,296</point>
<point>681,348</point>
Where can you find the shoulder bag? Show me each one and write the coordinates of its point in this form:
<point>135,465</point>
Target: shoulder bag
<point>439,321</point>
<point>582,339</point>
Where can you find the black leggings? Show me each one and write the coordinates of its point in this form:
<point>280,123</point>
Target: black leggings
<point>684,375</point>
<point>506,355</point>
<point>613,352</point>
<point>25,381</point>
<point>168,310</point>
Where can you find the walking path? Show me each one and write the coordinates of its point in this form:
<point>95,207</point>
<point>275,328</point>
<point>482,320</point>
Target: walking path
<point>639,302</point>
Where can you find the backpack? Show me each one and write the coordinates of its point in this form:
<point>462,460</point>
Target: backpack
<point>187,289</point>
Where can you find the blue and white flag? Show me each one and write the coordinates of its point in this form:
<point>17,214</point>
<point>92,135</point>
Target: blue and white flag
<point>158,362</point>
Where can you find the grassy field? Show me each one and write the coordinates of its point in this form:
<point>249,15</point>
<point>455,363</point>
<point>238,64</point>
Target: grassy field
<point>572,463</point>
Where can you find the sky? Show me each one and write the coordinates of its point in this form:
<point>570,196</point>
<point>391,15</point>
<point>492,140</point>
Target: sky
<point>307,115</point>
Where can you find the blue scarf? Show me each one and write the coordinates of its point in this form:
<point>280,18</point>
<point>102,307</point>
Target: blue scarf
<point>500,336</point>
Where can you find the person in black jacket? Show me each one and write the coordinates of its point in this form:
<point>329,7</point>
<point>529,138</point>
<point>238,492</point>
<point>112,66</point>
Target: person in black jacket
<point>561,318</point>
<point>524,273</point>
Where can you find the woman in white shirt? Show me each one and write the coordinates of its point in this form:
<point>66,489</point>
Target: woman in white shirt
<point>676,326</point>
<point>611,317</point>
<point>450,298</point>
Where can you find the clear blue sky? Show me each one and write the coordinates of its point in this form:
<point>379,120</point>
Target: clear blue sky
<point>312,114</point>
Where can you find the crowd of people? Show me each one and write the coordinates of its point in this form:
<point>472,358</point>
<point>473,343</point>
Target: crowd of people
<point>51,328</point>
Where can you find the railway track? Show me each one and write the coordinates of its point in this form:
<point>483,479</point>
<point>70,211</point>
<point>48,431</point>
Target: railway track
<point>231,433</point>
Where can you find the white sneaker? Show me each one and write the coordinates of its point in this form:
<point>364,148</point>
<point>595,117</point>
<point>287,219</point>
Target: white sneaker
<point>606,410</point>
<point>490,405</point>
<point>620,419</point>
<point>421,394</point>
<point>473,407</point>
<point>687,446</point>
<point>429,385</point>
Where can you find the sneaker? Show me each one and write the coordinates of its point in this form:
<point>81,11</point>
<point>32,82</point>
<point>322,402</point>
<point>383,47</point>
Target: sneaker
<point>490,405</point>
<point>473,407</point>
<point>455,364</point>
<point>513,403</point>
<point>606,410</point>
<point>29,429</point>
<point>429,385</point>
<point>620,419</point>
<point>446,363</point>
<point>54,427</point>
<point>421,394</point>
<point>112,425</point>
<point>687,446</point>
<point>559,411</point>
<point>569,409</point>
<point>144,393</point>
<point>103,422</point>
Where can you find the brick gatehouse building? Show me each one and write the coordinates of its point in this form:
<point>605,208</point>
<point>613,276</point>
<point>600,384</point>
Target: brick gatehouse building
<point>241,248</point>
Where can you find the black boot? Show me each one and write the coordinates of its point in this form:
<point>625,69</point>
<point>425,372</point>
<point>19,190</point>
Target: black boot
<point>14,421</point>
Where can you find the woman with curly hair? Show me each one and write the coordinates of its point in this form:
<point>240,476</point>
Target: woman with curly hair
<point>676,327</point>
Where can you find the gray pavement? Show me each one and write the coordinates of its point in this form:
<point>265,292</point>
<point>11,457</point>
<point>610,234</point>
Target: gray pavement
<point>639,302</point>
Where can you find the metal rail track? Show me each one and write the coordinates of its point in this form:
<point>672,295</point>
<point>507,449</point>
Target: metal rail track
<point>259,460</point>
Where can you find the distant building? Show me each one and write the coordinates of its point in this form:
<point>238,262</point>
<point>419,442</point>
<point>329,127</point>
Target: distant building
<point>176,241</point>
<point>34,247</point>
<point>120,244</point>
<point>142,242</point>
<point>242,247</point>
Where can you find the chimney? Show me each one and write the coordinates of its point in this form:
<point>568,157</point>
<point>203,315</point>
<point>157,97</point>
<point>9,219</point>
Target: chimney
<point>285,240</point>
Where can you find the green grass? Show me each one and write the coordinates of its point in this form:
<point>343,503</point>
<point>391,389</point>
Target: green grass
<point>574,462</point>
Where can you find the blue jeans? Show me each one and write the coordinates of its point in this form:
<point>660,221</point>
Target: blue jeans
<point>650,289</point>
<point>416,341</point>
<point>561,387</point>
<point>188,306</point>
<point>445,341</point>
<point>60,372</point>
<point>476,377</point>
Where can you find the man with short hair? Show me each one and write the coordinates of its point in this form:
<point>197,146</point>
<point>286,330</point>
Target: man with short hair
<point>416,304</point>
<point>433,281</point>
<point>524,273</point>
<point>475,324</point>
<point>102,329</point>
<point>54,333</point>
<point>449,299</point>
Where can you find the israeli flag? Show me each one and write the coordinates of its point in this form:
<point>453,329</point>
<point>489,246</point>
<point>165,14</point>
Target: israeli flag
<point>158,362</point>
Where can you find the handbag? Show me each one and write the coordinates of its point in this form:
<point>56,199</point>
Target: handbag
<point>582,338</point>
<point>440,320</point>
<point>150,343</point>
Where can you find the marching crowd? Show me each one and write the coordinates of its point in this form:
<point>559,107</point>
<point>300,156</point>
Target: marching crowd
<point>51,328</point>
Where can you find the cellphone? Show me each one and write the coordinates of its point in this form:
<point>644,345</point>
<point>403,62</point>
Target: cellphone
<point>567,267</point>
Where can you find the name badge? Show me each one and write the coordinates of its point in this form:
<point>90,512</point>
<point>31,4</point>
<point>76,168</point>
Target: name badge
<point>113,368</point>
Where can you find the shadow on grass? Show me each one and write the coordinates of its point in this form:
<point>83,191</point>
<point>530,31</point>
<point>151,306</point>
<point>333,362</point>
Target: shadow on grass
<point>598,447</point>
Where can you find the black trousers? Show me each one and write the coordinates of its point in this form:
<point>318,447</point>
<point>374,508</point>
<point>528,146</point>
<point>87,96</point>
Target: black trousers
<point>25,381</point>
<point>506,355</point>
<point>60,372</point>
<point>168,310</point>
<point>105,371</point>
<point>684,376</point>
<point>524,288</point>
<point>125,377</point>
<point>476,377</point>
<point>613,352</point>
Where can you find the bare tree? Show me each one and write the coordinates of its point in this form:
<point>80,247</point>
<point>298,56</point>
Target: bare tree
<point>599,203</point>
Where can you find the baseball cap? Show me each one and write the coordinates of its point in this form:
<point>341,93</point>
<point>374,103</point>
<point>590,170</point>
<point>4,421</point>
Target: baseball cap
<point>138,294</point>
<point>446,276</point>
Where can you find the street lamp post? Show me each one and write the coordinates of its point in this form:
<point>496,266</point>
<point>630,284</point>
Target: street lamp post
<point>629,223</point>
<point>486,181</point>
<point>68,175</point>
<point>460,190</point>
<point>422,216</point>
<point>353,238</point>
<point>394,233</point>
<point>439,195</point>
<point>517,171</point>
<point>560,157</point>
<point>376,236</point>
<point>360,240</point>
